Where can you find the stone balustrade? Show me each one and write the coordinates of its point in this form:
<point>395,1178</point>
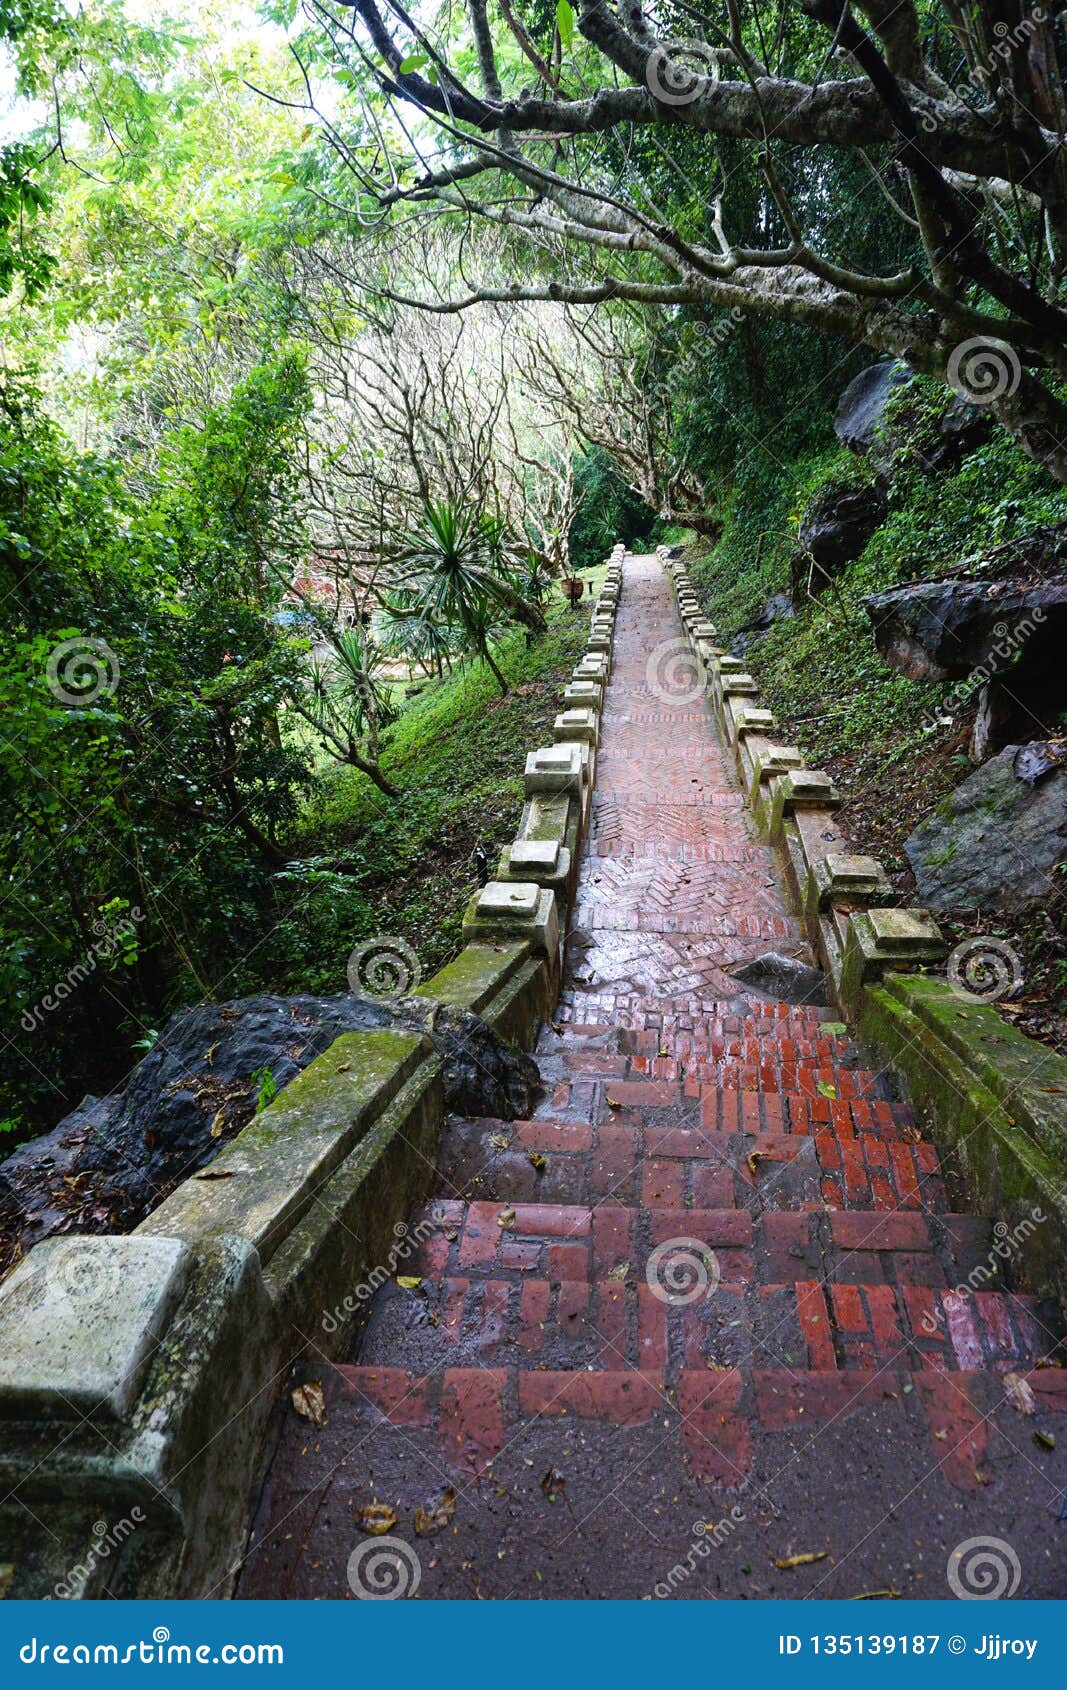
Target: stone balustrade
<point>139,1374</point>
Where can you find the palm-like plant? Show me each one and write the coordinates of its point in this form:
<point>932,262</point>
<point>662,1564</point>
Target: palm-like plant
<point>451,555</point>
<point>406,633</point>
<point>348,704</point>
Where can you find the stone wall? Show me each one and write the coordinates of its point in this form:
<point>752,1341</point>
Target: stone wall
<point>997,1100</point>
<point>139,1374</point>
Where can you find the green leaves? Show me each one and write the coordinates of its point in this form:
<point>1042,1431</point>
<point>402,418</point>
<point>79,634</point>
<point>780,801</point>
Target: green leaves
<point>565,22</point>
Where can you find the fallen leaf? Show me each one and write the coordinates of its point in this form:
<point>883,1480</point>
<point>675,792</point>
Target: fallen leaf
<point>887,1595</point>
<point>376,1518</point>
<point>450,1232</point>
<point>499,1141</point>
<point>806,1560</point>
<point>537,1159</point>
<point>613,1103</point>
<point>1046,1439</point>
<point>215,1173</point>
<point>219,1123</point>
<point>754,1158</point>
<point>436,1517</point>
<point>343,1069</point>
<point>310,1403</point>
<point>836,1027</point>
<point>1019,1393</point>
<point>619,1271</point>
<point>825,1089</point>
<point>506,1218</point>
<point>409,1281</point>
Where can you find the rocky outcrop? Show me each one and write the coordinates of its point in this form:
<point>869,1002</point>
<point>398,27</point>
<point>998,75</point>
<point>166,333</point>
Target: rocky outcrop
<point>939,442</point>
<point>861,408</point>
<point>948,630</point>
<point>111,1161</point>
<point>838,522</point>
<point>778,608</point>
<point>996,841</point>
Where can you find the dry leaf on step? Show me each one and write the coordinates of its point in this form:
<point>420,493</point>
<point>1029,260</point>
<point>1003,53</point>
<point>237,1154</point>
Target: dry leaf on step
<point>310,1403</point>
<point>1019,1394</point>
<point>436,1517</point>
<point>376,1518</point>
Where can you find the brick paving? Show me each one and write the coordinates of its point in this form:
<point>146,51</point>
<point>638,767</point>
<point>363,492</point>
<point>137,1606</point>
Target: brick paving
<point>720,1269</point>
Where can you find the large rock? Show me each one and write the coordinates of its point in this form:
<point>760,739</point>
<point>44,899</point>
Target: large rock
<point>948,630</point>
<point>778,608</point>
<point>111,1161</point>
<point>938,443</point>
<point>861,408</point>
<point>996,841</point>
<point>839,521</point>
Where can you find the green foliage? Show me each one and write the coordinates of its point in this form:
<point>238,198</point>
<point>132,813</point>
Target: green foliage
<point>610,511</point>
<point>141,768</point>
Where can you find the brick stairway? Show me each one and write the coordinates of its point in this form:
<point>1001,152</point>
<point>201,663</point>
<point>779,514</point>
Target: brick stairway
<point>717,1271</point>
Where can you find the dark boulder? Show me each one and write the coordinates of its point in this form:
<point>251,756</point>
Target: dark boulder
<point>949,630</point>
<point>111,1161</point>
<point>938,443</point>
<point>996,841</point>
<point>778,608</point>
<point>838,522</point>
<point>861,408</point>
